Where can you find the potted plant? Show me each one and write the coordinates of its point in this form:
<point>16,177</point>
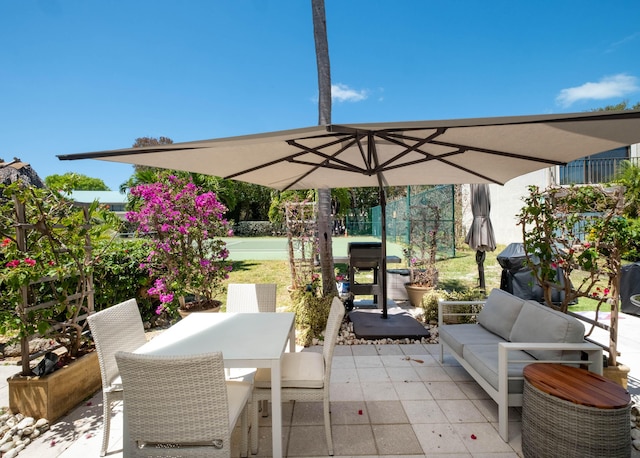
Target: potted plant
<point>578,229</point>
<point>46,290</point>
<point>421,253</point>
<point>188,260</point>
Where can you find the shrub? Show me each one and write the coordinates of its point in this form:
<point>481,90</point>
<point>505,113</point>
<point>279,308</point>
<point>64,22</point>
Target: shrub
<point>257,229</point>
<point>185,224</point>
<point>118,276</point>
<point>312,312</point>
<point>431,299</point>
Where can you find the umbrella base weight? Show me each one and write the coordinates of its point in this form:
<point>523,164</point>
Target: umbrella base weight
<point>367,324</point>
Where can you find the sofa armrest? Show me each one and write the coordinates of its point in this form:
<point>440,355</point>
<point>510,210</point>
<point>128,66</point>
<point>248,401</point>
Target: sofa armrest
<point>444,308</point>
<point>593,352</point>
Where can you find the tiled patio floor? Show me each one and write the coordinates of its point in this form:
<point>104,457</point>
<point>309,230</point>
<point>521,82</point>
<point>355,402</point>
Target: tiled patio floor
<point>386,400</point>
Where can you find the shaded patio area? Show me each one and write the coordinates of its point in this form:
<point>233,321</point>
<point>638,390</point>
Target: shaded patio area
<point>387,400</point>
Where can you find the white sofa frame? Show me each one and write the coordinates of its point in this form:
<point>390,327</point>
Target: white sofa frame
<point>501,396</point>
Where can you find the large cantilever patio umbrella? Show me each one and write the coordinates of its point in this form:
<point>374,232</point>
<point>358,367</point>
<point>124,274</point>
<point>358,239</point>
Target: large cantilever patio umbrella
<point>482,150</point>
<point>480,236</point>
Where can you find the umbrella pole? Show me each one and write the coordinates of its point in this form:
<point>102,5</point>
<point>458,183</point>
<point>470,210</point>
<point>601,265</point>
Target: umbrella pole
<point>480,257</point>
<point>383,251</point>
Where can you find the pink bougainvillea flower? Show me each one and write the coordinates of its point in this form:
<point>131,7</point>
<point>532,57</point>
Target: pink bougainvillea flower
<point>30,262</point>
<point>6,242</point>
<point>166,298</point>
<point>13,263</point>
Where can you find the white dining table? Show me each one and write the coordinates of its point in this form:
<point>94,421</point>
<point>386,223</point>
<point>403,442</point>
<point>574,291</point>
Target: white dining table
<point>246,340</point>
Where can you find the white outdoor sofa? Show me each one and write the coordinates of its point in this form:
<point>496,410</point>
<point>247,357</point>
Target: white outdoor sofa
<point>510,333</point>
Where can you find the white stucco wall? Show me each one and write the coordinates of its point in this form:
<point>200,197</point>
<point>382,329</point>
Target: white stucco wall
<point>506,201</point>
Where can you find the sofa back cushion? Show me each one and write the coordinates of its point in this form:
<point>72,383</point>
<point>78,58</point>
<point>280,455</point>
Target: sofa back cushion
<point>500,312</point>
<point>539,323</point>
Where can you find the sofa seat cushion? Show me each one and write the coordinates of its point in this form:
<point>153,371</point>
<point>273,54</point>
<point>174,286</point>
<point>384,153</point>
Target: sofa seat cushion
<point>459,335</point>
<point>484,359</point>
<point>539,323</point>
<point>500,312</point>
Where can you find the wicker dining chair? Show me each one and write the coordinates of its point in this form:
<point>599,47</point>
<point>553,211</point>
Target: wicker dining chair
<point>305,376</point>
<point>251,297</point>
<point>182,405</point>
<point>116,328</point>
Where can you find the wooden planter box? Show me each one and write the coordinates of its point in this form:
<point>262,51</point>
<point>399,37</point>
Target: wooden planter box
<point>55,394</point>
<point>618,374</point>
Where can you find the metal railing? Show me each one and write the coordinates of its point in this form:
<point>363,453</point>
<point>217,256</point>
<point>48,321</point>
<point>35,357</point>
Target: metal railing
<point>591,171</point>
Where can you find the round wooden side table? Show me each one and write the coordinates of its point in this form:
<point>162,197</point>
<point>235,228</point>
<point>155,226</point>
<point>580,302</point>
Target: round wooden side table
<point>571,412</point>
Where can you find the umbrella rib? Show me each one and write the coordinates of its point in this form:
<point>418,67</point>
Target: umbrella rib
<point>415,147</point>
<point>449,163</point>
<point>328,157</point>
<point>261,166</point>
<point>327,163</point>
<point>465,148</point>
<point>291,158</point>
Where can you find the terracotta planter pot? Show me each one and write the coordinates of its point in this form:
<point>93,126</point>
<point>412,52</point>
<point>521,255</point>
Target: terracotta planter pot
<point>53,395</point>
<point>416,293</point>
<point>201,306</point>
<point>185,313</point>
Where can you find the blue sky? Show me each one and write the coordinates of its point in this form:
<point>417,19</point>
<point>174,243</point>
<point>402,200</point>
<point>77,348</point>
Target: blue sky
<point>90,75</point>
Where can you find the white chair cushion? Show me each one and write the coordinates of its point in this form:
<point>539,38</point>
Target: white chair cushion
<point>238,394</point>
<point>116,385</point>
<point>240,374</point>
<point>299,370</point>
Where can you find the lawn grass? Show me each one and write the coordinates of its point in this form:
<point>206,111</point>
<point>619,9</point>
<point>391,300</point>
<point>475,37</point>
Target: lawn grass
<point>457,273</point>
<point>264,272</point>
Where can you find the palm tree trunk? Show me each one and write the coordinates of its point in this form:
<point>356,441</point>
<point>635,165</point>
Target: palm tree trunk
<point>324,110</point>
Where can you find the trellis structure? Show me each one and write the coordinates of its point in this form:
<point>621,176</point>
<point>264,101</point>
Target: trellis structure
<point>41,300</point>
<point>302,241</point>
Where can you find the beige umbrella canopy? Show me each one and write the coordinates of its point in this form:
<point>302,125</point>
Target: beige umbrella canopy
<point>481,150</point>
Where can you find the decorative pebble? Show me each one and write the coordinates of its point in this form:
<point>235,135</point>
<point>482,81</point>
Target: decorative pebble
<point>26,422</point>
<point>6,446</point>
<point>5,438</point>
<point>40,423</point>
<point>635,434</point>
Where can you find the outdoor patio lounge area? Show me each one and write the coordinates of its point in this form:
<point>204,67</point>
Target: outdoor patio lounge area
<point>386,400</point>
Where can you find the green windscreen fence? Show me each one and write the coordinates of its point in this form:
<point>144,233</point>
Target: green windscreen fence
<point>415,209</point>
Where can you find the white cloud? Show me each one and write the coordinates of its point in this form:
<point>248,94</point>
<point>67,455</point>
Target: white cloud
<point>343,93</point>
<point>608,87</point>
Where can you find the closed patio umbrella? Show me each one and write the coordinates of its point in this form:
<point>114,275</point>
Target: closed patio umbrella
<point>480,236</point>
<point>480,150</point>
